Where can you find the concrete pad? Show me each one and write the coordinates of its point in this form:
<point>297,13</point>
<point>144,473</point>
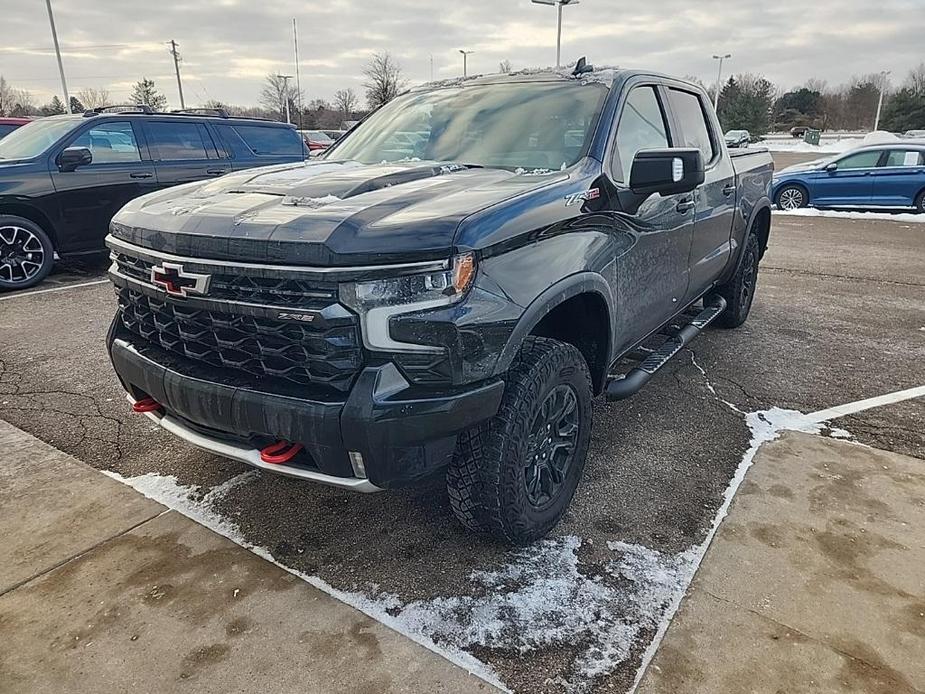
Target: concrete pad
<point>825,540</point>
<point>53,508</point>
<point>173,607</point>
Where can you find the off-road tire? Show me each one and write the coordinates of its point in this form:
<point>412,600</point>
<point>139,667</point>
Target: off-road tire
<point>798,192</point>
<point>487,482</point>
<point>9,224</point>
<point>739,292</point>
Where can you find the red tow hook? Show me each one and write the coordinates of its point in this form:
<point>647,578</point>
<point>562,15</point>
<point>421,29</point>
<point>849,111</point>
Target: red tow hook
<point>280,452</point>
<point>146,405</point>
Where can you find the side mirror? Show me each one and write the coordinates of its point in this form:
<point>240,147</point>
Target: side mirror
<point>666,171</point>
<point>831,167</point>
<point>73,157</point>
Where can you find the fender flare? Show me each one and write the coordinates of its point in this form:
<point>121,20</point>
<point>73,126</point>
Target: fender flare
<point>539,308</point>
<point>763,203</point>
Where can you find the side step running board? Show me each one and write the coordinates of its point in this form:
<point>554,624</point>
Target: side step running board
<point>636,378</point>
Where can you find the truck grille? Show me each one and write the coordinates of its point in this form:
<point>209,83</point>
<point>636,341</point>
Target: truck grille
<point>303,353</point>
<point>266,291</point>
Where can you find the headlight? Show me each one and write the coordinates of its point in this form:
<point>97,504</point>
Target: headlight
<point>377,301</point>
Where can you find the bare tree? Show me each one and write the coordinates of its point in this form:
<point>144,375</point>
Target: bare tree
<point>94,98</point>
<point>14,102</point>
<point>345,101</point>
<point>916,79</point>
<point>384,79</point>
<point>505,66</point>
<point>276,90</point>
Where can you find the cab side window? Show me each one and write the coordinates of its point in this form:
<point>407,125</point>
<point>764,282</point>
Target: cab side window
<point>861,160</point>
<point>904,157</point>
<point>110,143</point>
<point>692,119</point>
<point>642,126</point>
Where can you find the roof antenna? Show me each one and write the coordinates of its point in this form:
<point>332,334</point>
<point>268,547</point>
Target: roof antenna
<point>581,67</point>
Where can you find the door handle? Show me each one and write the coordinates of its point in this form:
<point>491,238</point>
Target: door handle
<point>216,172</point>
<point>141,174</point>
<point>685,205</point>
<point>729,190</point>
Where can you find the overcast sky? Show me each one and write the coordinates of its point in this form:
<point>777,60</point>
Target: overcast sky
<point>228,46</point>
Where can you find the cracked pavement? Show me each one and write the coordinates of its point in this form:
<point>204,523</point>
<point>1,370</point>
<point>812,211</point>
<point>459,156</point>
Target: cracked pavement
<point>839,316</point>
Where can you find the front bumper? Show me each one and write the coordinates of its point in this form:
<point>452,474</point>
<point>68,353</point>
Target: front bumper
<point>384,434</point>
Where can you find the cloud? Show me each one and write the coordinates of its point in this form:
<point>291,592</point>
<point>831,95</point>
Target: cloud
<point>228,46</point>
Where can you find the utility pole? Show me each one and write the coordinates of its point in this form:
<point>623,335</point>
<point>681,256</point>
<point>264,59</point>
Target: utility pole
<point>298,77</point>
<point>559,4</point>
<point>431,67</point>
<point>719,78</point>
<point>285,93</point>
<point>883,75</point>
<point>176,67</point>
<point>54,37</point>
<point>465,55</point>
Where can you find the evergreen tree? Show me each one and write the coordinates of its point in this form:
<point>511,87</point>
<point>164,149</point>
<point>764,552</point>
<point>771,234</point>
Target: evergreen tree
<point>745,104</point>
<point>54,107</point>
<point>904,111</point>
<point>144,92</point>
<point>76,106</point>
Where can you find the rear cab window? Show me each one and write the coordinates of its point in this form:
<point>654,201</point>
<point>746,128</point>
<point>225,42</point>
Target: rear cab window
<point>691,116</point>
<point>262,140</point>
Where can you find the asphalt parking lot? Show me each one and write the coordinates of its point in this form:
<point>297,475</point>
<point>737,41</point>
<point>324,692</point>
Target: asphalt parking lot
<point>839,316</point>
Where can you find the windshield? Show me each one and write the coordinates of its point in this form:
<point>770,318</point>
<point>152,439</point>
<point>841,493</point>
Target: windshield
<point>34,138</point>
<point>534,126</point>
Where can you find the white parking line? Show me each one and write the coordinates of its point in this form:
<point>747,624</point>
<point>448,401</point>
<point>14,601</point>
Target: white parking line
<point>861,405</point>
<point>55,289</point>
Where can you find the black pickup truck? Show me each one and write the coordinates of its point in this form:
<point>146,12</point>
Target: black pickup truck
<point>446,290</point>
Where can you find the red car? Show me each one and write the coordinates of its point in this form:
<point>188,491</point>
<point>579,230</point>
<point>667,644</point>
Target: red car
<point>316,140</point>
<point>8,125</point>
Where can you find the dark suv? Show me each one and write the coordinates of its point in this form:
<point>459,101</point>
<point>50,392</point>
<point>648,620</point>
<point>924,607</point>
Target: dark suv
<point>63,178</point>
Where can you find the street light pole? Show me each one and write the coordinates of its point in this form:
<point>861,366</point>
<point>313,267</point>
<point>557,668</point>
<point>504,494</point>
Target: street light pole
<point>465,55</point>
<point>719,78</point>
<point>285,79</point>
<point>883,75</point>
<point>54,37</point>
<point>559,4</point>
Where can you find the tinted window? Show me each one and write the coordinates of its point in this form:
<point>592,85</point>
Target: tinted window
<point>861,160</point>
<point>642,126</point>
<point>110,142</point>
<point>34,138</point>
<point>7,129</point>
<point>689,110</point>
<point>269,140</point>
<point>900,157</point>
<point>170,141</point>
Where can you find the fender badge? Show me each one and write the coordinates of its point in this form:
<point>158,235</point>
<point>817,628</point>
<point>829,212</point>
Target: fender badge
<point>583,196</point>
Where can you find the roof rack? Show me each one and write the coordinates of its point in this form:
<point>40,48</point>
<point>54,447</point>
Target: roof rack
<point>119,108</point>
<point>220,112</point>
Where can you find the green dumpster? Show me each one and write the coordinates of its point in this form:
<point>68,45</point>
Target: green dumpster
<point>811,137</point>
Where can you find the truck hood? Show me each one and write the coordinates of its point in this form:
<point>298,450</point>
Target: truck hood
<point>326,213</point>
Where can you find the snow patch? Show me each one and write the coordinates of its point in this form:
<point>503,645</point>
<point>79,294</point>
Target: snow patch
<point>906,217</point>
<point>314,203</point>
<point>292,175</point>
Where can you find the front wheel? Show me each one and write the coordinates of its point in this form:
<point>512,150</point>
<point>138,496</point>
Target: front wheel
<point>920,203</point>
<point>26,253</point>
<point>514,476</point>
<point>792,198</point>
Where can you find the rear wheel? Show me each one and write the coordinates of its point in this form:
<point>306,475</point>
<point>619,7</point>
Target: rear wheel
<point>739,292</point>
<point>792,198</point>
<point>514,476</point>
<point>26,253</point>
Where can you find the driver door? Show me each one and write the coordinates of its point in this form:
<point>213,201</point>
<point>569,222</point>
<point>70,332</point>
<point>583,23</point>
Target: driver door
<point>89,196</point>
<point>654,242</point>
<point>851,183</point>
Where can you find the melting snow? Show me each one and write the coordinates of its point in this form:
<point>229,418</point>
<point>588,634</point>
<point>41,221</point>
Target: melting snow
<point>906,217</point>
<point>302,201</point>
<point>297,174</point>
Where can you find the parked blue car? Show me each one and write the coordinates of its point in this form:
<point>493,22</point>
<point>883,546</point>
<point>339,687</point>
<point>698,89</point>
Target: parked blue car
<point>884,175</point>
